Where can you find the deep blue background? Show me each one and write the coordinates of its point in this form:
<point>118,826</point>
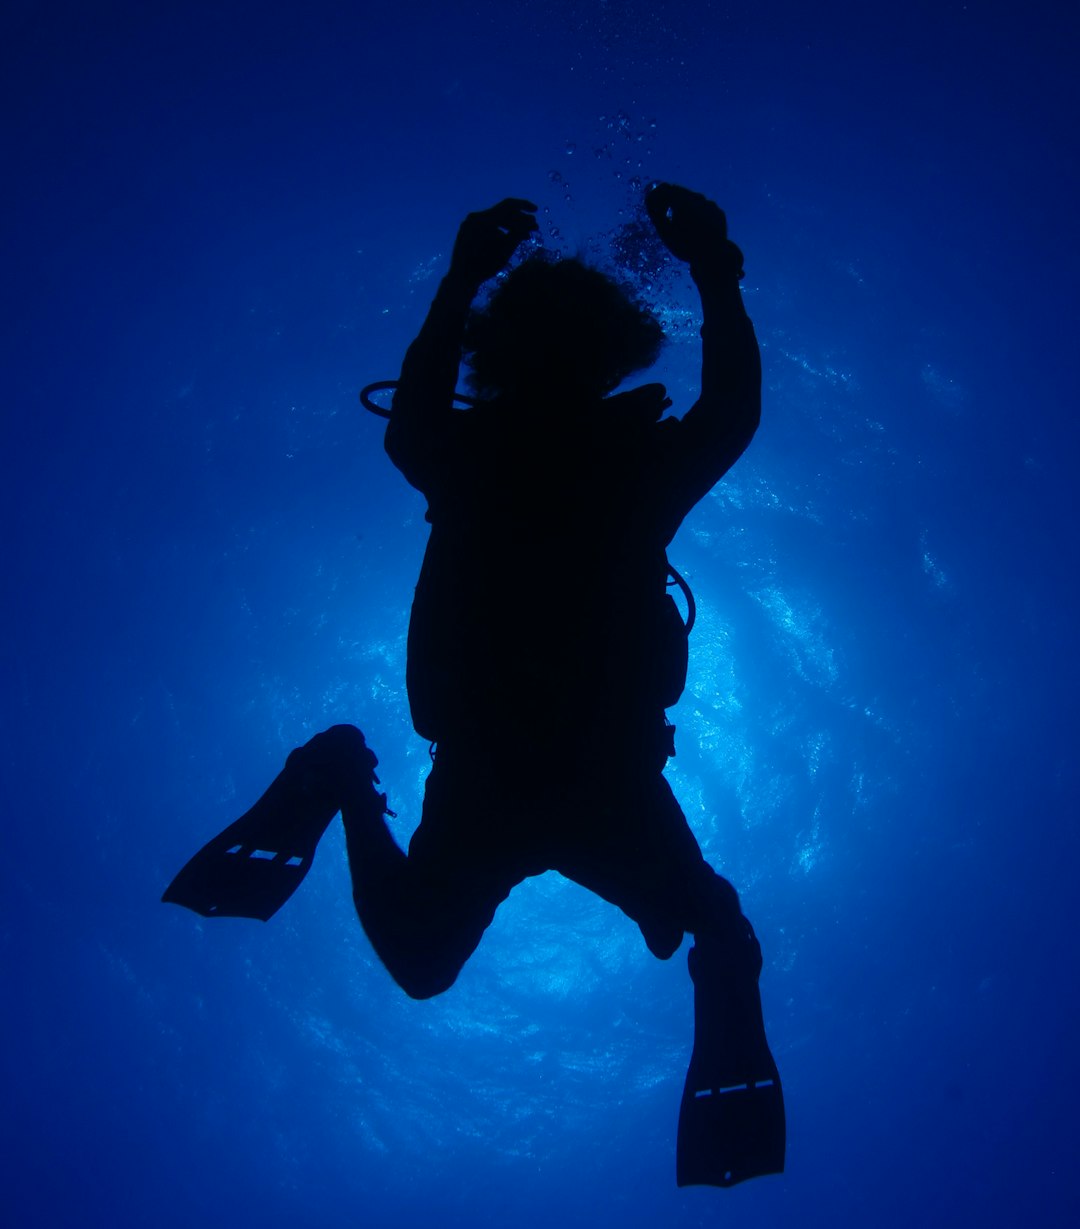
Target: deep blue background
<point>221,220</point>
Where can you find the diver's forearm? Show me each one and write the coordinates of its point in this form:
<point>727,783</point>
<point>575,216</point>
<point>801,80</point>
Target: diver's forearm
<point>433,359</point>
<point>429,372</point>
<point>730,360</point>
<point>430,369</point>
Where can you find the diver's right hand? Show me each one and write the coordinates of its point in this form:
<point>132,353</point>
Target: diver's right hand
<point>488,238</point>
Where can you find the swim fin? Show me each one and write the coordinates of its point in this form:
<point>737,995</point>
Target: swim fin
<point>731,1121</point>
<point>254,866</point>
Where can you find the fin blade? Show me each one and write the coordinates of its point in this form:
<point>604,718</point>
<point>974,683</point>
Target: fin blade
<point>728,1136</point>
<point>222,880</point>
<point>254,866</point>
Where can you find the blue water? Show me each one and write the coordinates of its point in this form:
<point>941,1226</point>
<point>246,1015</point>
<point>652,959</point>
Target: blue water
<point>220,221</point>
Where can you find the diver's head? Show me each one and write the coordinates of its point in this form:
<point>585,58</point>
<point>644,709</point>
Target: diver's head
<point>558,329</point>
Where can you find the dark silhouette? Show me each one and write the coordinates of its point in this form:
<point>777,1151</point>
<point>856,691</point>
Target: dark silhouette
<point>543,651</point>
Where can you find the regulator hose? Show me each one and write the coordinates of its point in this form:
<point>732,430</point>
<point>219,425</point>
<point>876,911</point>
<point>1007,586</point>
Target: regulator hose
<point>382,386</point>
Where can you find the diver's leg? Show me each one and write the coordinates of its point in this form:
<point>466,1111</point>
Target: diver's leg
<point>637,851</point>
<point>425,912</point>
<point>731,1120</point>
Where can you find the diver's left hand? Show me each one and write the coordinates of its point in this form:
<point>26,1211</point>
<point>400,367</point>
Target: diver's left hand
<point>692,227</point>
<point>488,238</point>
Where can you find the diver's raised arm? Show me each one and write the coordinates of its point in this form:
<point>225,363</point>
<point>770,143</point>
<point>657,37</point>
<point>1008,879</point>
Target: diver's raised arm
<point>717,429</point>
<point>422,403</point>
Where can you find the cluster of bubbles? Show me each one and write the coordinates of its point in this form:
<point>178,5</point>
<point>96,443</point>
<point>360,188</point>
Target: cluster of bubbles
<point>622,146</point>
<point>623,133</point>
<point>616,131</point>
<point>557,178</point>
<point>620,141</point>
<point>639,253</point>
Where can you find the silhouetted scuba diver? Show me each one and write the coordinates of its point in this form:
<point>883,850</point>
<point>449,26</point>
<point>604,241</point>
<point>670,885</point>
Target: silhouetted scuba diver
<point>543,651</point>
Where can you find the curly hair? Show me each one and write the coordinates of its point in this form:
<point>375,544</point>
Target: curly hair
<point>558,323</point>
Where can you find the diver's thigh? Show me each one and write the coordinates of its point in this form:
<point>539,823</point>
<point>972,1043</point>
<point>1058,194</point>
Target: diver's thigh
<point>462,859</point>
<point>427,913</point>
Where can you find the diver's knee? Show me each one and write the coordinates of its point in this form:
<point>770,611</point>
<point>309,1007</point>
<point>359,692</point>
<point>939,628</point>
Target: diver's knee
<point>662,941</point>
<point>425,983</point>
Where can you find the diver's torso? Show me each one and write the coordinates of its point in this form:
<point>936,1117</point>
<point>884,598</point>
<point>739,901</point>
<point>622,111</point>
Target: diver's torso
<point>543,576</point>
